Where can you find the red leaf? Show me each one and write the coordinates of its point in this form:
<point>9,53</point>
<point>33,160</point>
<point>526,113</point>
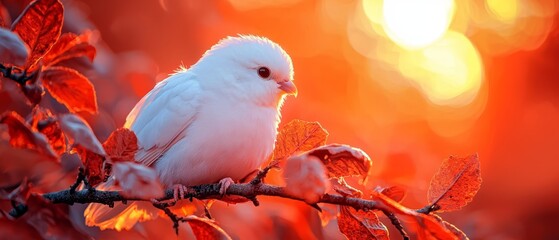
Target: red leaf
<point>298,136</point>
<point>17,164</point>
<point>46,123</point>
<point>52,221</point>
<point>5,20</point>
<point>395,193</point>
<point>21,135</point>
<point>94,165</point>
<point>39,26</point>
<point>70,88</point>
<point>456,183</point>
<point>69,46</point>
<point>425,225</point>
<point>461,235</point>
<point>205,229</point>
<point>343,160</point>
<point>12,49</point>
<point>361,224</point>
<point>121,145</point>
<point>17,228</point>
<point>79,133</point>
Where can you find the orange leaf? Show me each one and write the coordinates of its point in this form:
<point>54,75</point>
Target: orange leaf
<point>341,187</point>
<point>343,160</point>
<point>21,135</point>
<point>298,136</point>
<point>121,145</point>
<point>69,46</point>
<point>456,183</point>
<point>79,133</point>
<point>361,224</point>
<point>425,225</point>
<point>70,88</point>
<point>461,235</point>
<point>396,193</point>
<point>39,26</point>
<point>205,229</point>
<point>93,163</point>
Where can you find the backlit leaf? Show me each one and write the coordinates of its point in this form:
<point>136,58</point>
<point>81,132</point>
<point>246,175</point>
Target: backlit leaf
<point>205,229</point>
<point>121,145</point>
<point>456,183</point>
<point>361,224</point>
<point>424,225</point>
<point>71,89</point>
<point>298,136</point>
<point>79,133</point>
<point>22,136</point>
<point>47,124</point>
<point>39,26</point>
<point>461,235</point>
<point>343,160</point>
<point>69,46</point>
<point>396,193</point>
<point>93,164</point>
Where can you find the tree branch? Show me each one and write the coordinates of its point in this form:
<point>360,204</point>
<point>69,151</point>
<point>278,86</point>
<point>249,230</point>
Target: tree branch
<point>206,191</point>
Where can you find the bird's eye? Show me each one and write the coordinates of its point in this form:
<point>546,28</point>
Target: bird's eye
<point>264,72</point>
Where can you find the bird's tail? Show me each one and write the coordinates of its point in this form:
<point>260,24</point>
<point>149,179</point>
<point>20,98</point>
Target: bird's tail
<point>121,216</point>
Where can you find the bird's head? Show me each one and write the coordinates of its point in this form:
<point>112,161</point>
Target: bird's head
<point>254,67</point>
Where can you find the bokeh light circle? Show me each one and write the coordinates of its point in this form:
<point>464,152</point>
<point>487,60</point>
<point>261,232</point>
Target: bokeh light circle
<point>416,23</point>
<point>448,72</point>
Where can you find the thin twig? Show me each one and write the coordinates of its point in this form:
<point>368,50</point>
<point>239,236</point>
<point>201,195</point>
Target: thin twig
<point>17,74</point>
<point>428,209</point>
<point>397,224</point>
<point>262,173</point>
<point>79,180</point>
<point>174,218</point>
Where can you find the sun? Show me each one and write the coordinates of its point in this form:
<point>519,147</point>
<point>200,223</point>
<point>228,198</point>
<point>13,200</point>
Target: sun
<point>416,23</point>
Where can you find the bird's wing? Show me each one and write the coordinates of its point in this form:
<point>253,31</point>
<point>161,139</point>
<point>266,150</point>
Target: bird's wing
<point>162,116</point>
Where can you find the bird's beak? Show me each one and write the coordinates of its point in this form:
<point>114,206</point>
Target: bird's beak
<point>288,87</point>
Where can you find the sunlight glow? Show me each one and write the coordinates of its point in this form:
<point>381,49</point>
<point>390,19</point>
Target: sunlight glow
<point>417,23</point>
<point>448,72</point>
<point>245,5</point>
<point>504,10</point>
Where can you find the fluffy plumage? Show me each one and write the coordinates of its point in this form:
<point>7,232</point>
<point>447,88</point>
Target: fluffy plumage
<point>217,119</point>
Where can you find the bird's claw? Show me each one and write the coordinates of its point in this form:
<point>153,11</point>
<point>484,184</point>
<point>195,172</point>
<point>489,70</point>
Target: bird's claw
<point>179,192</point>
<point>224,185</point>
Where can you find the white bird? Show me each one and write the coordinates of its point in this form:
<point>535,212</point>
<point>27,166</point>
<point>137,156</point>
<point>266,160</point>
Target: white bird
<point>216,121</point>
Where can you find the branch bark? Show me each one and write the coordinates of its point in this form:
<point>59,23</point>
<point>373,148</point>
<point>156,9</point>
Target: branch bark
<point>206,191</point>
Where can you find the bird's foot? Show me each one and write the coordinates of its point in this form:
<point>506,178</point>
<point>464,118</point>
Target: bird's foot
<point>224,185</point>
<point>179,192</point>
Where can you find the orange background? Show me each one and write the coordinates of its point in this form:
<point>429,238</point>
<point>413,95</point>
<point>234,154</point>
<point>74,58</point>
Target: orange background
<point>486,82</point>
